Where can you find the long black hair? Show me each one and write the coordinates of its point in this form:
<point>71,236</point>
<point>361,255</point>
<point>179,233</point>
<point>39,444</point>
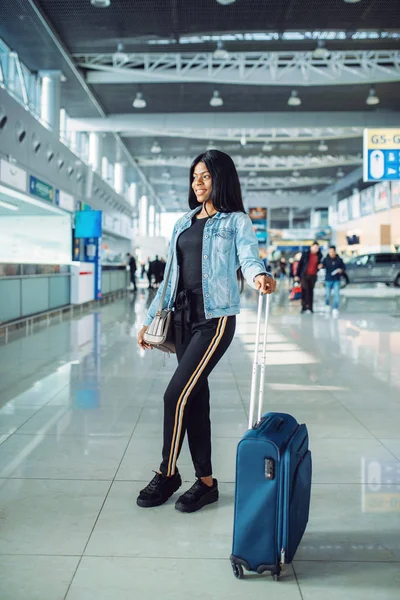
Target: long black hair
<point>226,193</point>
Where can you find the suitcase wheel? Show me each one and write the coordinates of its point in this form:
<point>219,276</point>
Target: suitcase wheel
<point>276,573</point>
<point>237,570</point>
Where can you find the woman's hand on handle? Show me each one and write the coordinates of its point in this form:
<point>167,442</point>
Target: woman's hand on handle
<point>141,341</point>
<point>265,284</point>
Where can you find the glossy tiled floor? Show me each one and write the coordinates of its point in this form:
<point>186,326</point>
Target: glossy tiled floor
<point>80,432</point>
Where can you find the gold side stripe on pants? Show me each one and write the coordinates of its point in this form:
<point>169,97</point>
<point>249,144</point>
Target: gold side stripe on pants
<point>183,393</point>
<point>183,398</point>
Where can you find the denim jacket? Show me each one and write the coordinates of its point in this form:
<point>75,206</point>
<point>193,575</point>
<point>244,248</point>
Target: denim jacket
<point>229,242</point>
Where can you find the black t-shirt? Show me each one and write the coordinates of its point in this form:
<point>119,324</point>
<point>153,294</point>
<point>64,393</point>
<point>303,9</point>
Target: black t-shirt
<point>190,250</point>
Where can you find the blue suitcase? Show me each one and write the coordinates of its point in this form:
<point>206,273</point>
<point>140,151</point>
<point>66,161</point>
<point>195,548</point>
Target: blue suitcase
<point>273,484</point>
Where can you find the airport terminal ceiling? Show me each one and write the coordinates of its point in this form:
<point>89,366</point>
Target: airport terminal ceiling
<point>73,36</point>
<point>139,21</point>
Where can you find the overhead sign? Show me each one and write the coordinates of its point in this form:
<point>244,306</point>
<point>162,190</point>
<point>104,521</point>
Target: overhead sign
<point>65,201</point>
<point>13,175</point>
<point>41,189</point>
<point>381,154</point>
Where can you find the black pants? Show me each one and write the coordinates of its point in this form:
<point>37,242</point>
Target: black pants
<point>200,344</point>
<point>307,291</point>
<point>133,280</point>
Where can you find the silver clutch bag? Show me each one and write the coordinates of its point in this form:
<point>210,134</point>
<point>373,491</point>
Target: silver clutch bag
<point>160,331</point>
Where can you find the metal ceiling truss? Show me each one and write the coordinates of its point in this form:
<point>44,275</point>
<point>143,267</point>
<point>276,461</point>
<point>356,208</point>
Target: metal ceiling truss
<point>293,69</point>
<point>254,183</point>
<point>19,82</point>
<point>260,163</point>
<point>200,121</point>
<point>261,135</point>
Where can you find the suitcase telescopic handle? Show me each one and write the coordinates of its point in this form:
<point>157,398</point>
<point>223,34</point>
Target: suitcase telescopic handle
<point>256,362</point>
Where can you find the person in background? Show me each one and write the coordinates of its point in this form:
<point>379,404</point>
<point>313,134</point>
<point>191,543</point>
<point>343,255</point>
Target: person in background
<point>142,269</point>
<point>291,272</point>
<point>150,273</point>
<point>158,270</point>
<point>132,270</point>
<point>334,267</point>
<point>307,271</point>
<point>296,261</point>
<point>164,264</point>
<point>282,269</point>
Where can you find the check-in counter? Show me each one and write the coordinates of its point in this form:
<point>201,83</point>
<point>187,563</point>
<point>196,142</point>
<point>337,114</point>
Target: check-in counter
<point>82,282</point>
<point>114,277</point>
<point>28,289</point>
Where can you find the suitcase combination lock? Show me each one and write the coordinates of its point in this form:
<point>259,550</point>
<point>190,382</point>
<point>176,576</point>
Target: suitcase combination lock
<point>269,468</point>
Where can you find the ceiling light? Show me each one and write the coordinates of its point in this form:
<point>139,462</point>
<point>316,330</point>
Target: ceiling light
<point>156,148</point>
<point>296,173</point>
<point>139,101</point>
<point>243,140</point>
<point>216,99</point>
<point>226,2</point>
<point>352,1</point>
<point>267,147</point>
<point>100,3</point>
<point>372,98</point>
<point>220,53</point>
<point>294,99</point>
<point>210,146</point>
<point>340,173</point>
<point>322,146</point>
<point>166,175</point>
<point>321,51</point>
<point>8,205</point>
<point>314,191</point>
<point>252,174</point>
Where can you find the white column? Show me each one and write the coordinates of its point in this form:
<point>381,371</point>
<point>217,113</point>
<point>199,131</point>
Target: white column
<point>291,217</point>
<point>143,216</point>
<point>63,125</point>
<point>157,223</point>
<point>151,217</point>
<point>110,175</point>
<point>94,151</point>
<point>133,194</point>
<point>50,104</point>
<point>104,167</point>
<point>119,178</point>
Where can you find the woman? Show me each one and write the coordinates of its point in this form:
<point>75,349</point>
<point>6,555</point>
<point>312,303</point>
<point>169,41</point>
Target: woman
<point>208,246</point>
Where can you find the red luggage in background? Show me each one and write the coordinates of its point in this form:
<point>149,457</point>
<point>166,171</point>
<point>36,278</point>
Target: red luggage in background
<point>295,293</point>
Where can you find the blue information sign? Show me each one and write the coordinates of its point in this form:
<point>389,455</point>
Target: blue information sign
<point>381,154</point>
<point>41,189</point>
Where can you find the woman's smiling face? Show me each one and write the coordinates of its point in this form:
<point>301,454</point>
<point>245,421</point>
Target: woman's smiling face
<point>202,183</point>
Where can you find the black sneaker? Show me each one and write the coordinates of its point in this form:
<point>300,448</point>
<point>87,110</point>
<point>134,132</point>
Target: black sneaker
<point>159,490</point>
<point>198,496</point>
